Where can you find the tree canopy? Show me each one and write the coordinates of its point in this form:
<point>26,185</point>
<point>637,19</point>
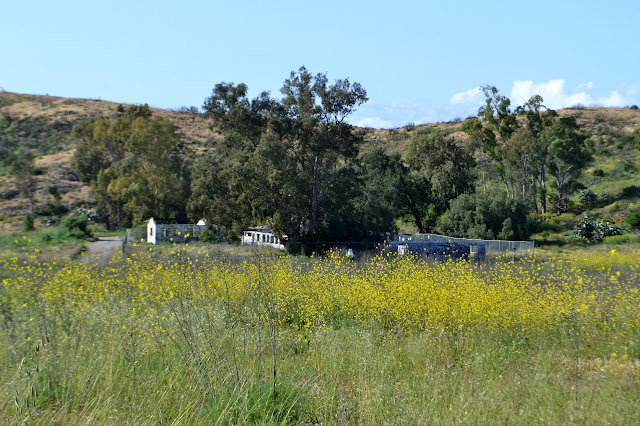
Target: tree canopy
<point>133,167</point>
<point>289,163</point>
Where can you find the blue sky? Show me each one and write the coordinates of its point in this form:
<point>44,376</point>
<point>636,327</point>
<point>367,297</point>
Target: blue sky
<point>420,61</point>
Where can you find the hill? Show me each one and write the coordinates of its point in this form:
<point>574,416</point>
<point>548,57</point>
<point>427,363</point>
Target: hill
<point>43,124</point>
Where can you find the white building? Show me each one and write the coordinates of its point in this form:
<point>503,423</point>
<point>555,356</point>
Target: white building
<point>173,232</point>
<point>262,236</point>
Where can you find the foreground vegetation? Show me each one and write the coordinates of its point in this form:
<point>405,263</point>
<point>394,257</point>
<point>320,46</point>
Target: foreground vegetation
<point>174,337</point>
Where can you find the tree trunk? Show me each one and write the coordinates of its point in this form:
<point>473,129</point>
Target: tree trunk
<point>314,197</point>
<point>416,216</point>
<point>543,190</point>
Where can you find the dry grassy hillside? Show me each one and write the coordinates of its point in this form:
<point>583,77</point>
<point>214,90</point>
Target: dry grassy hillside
<point>44,123</point>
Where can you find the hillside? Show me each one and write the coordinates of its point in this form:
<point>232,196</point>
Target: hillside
<point>43,124</point>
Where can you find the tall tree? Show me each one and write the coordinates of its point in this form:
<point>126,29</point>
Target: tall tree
<point>538,119</point>
<point>567,157</point>
<point>390,189</point>
<point>493,127</point>
<point>500,121</point>
<point>323,141</point>
<point>289,159</point>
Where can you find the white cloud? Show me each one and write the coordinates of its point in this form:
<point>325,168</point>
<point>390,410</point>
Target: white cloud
<point>399,112</point>
<point>392,114</point>
<point>552,93</point>
<point>615,99</point>
<point>586,86</point>
<point>555,96</point>
<point>471,96</point>
<point>375,122</point>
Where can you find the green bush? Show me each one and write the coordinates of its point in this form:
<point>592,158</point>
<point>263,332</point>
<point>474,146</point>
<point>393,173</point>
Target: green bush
<point>620,239</point>
<point>633,219</point>
<point>74,227</point>
<point>588,198</point>
<point>52,209</point>
<point>208,236</point>
<point>486,217</point>
<point>594,230</point>
<point>28,223</point>
<point>631,191</point>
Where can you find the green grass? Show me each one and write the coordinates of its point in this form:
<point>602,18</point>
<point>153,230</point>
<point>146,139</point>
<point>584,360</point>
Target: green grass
<point>353,375</point>
<point>45,243</point>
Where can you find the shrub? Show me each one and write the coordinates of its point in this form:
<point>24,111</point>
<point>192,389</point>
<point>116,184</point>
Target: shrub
<point>598,172</point>
<point>207,236</point>
<point>620,239</point>
<point>74,227</point>
<point>588,198</point>
<point>9,194</point>
<point>630,191</point>
<point>28,223</point>
<point>52,209</point>
<point>633,219</point>
<point>486,217</point>
<point>605,198</point>
<point>594,230</point>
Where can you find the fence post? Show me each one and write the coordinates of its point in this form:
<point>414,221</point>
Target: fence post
<point>125,241</point>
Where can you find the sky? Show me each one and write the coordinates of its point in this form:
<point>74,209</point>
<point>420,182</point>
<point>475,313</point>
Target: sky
<point>419,61</point>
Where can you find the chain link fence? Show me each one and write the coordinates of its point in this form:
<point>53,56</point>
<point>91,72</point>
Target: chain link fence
<point>479,248</point>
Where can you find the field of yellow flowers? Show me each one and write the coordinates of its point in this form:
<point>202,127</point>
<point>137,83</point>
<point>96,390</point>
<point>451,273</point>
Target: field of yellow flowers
<point>189,338</point>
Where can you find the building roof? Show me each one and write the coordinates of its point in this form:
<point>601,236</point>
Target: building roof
<point>259,228</point>
<point>174,222</point>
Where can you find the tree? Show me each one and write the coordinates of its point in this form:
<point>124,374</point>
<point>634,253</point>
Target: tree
<point>486,217</point>
<point>567,157</point>
<point>133,166</point>
<point>22,169</point>
<point>538,119</point>
<point>500,122</point>
<point>290,161</point>
<point>516,153</point>
<point>494,127</point>
<point>391,190</point>
<point>446,165</point>
<point>323,141</point>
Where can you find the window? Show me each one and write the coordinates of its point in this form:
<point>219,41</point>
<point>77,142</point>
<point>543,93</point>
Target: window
<point>151,232</point>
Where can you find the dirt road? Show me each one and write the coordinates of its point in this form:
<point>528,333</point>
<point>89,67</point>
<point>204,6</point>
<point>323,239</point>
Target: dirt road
<point>102,251</point>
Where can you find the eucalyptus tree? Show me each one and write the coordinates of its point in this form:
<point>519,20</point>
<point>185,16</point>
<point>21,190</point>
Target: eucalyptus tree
<point>567,157</point>
<point>289,162</point>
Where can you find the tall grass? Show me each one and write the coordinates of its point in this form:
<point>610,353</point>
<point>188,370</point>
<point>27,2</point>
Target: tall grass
<point>189,339</point>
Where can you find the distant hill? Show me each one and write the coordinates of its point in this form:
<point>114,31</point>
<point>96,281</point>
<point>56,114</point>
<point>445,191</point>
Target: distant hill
<point>43,124</point>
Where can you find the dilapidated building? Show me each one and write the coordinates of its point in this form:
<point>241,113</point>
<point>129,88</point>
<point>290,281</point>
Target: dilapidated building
<point>262,236</point>
<point>164,230</point>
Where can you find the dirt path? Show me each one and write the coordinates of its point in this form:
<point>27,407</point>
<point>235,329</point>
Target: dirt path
<point>102,251</point>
